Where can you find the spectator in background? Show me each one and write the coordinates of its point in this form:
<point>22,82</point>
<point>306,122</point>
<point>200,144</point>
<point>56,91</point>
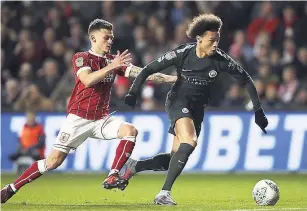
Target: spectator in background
<point>265,74</point>
<point>31,140</point>
<point>289,86</point>
<point>260,87</point>
<point>10,94</point>
<point>242,46</point>
<point>58,22</point>
<point>26,52</point>
<point>148,101</point>
<point>289,27</point>
<point>77,40</point>
<point>261,52</point>
<point>234,97</point>
<point>32,99</point>
<point>50,77</point>
<point>161,42</point>
<point>120,89</point>
<point>179,12</point>
<point>108,11</point>
<point>267,21</point>
<point>275,62</point>
<point>34,32</point>
<point>301,99</point>
<point>45,45</point>
<point>140,41</point>
<point>301,63</point>
<point>25,75</point>
<point>271,100</point>
<point>58,51</point>
<point>289,52</point>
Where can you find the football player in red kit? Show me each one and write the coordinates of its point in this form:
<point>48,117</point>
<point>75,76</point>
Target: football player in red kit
<point>88,109</point>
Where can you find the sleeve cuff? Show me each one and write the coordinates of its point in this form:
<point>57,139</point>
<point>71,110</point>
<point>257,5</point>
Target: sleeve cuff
<point>83,69</point>
<point>128,69</point>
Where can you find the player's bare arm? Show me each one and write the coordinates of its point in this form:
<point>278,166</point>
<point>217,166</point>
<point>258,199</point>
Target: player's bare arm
<point>89,78</point>
<point>133,71</point>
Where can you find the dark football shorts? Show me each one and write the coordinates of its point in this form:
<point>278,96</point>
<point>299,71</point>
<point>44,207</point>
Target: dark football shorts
<point>178,106</point>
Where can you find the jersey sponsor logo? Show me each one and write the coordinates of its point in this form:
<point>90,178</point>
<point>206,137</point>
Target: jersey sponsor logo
<point>184,70</point>
<point>79,62</point>
<point>185,110</point>
<point>64,137</point>
<point>109,78</point>
<point>212,73</point>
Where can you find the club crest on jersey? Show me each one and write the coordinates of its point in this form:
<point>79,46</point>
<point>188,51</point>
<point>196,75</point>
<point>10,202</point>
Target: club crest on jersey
<point>212,73</point>
<point>185,110</point>
<point>79,62</point>
<point>64,137</point>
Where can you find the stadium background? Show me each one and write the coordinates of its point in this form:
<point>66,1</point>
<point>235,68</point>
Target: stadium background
<point>38,40</point>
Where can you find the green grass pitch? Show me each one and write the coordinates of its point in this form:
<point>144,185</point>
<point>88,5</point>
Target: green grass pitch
<point>72,191</point>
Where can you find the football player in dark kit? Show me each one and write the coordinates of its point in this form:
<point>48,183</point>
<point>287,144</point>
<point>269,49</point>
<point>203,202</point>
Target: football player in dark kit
<point>198,65</point>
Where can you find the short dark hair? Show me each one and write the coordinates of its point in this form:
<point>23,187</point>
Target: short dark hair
<point>202,23</point>
<point>98,24</point>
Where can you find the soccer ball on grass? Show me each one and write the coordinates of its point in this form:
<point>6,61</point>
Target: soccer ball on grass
<point>265,193</point>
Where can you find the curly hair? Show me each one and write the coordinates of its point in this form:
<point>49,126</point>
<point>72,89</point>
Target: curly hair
<point>202,23</point>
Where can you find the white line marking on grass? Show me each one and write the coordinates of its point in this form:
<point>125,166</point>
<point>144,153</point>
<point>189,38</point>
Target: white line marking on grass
<point>263,209</point>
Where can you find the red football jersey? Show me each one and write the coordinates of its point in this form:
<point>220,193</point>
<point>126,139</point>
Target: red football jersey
<point>93,102</point>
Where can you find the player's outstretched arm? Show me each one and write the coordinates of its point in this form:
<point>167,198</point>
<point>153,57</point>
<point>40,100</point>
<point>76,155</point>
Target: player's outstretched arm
<point>155,66</point>
<point>133,71</point>
<point>245,79</point>
<point>89,78</point>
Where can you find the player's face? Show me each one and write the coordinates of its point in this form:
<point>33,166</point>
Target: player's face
<point>103,39</point>
<point>209,42</point>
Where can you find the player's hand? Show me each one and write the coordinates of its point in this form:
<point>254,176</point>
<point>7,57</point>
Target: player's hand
<point>121,59</point>
<point>130,99</point>
<point>261,120</point>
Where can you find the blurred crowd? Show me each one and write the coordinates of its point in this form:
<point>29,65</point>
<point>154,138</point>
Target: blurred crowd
<point>38,40</point>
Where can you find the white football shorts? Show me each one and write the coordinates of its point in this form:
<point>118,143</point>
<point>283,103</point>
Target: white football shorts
<point>76,130</point>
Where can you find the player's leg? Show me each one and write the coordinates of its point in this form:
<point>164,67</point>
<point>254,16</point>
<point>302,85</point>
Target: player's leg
<point>159,162</point>
<point>73,132</point>
<point>36,170</point>
<point>187,135</point>
<point>114,128</point>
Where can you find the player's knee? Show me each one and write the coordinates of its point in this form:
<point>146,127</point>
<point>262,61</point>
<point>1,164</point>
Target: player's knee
<point>188,138</point>
<point>129,130</point>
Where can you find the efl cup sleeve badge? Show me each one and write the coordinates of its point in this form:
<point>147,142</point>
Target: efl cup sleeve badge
<point>212,74</point>
<point>64,137</point>
<point>170,55</point>
<point>79,62</point>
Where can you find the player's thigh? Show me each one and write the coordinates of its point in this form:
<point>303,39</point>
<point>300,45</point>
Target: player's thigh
<point>176,144</point>
<point>198,117</point>
<point>177,108</point>
<point>185,131</point>
<point>107,128</point>
<point>74,131</point>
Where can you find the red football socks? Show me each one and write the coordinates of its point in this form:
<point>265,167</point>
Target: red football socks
<point>27,176</point>
<point>123,152</point>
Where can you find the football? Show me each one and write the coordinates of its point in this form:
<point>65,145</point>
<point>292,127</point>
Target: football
<point>266,193</point>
